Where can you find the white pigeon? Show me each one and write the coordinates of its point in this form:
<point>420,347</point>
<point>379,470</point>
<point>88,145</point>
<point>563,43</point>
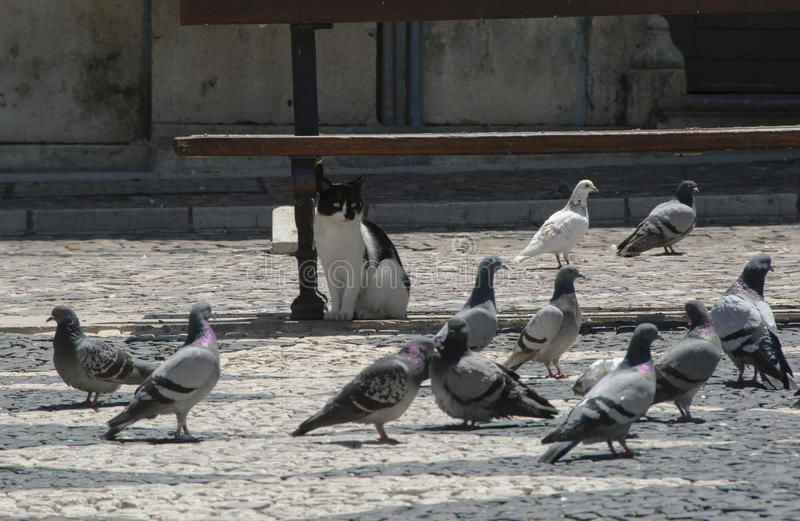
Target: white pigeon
<point>594,374</point>
<point>185,378</point>
<point>561,231</point>
<point>613,405</point>
<point>665,225</point>
<point>553,329</point>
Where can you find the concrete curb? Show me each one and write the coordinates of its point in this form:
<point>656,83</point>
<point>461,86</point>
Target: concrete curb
<point>711,209</point>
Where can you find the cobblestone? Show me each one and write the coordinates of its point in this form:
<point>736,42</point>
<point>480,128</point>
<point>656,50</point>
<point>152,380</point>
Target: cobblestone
<point>742,463</point>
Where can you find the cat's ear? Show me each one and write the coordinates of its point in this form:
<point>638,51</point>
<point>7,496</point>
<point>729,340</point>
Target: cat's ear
<point>356,183</point>
<point>323,185</point>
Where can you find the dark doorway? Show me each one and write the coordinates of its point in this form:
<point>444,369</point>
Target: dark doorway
<point>740,53</point>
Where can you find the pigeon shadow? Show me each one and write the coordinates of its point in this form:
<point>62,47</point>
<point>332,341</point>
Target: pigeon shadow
<point>459,427</point>
<point>156,441</point>
<point>746,384</point>
<point>358,444</point>
<point>78,405</point>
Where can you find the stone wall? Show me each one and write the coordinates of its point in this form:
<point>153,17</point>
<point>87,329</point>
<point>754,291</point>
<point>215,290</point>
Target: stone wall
<point>105,84</point>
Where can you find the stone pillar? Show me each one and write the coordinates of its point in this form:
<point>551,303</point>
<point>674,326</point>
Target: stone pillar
<point>656,70</point>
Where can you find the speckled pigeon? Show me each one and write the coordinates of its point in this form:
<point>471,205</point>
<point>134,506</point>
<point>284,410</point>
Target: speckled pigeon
<point>667,223</point>
<point>92,364</point>
<point>687,365</point>
<point>185,378</point>
<point>553,329</point>
<point>561,231</point>
<point>471,387</point>
<point>746,326</point>
<point>607,412</point>
<point>480,310</point>
<point>380,393</point>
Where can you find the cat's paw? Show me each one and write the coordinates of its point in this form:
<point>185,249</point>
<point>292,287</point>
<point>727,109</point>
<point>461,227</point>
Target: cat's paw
<point>338,315</point>
<point>369,315</point>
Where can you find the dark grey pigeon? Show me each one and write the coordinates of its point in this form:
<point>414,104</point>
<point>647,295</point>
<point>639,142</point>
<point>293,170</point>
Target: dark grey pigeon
<point>92,364</point>
<point>471,387</point>
<point>380,393</point>
<point>687,365</point>
<point>610,408</point>
<point>480,310</point>
<point>185,378</point>
<point>666,224</point>
<point>746,326</point>
<point>553,329</point>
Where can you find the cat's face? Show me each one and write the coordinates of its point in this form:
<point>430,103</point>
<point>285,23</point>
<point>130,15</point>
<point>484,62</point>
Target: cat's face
<point>340,201</point>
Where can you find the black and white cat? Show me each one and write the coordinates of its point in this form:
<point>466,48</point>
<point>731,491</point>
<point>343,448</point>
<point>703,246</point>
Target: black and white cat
<point>365,276</point>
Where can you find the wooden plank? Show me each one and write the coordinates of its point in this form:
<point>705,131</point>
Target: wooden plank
<point>198,12</point>
<point>491,143</point>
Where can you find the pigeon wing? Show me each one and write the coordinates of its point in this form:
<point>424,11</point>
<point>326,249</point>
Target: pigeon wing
<point>103,360</point>
<point>536,335</point>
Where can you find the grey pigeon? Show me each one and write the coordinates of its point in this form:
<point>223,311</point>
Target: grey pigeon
<point>687,365</point>
<point>561,231</point>
<point>746,326</point>
<point>667,223</point>
<point>92,364</point>
<point>553,329</point>
<point>480,310</point>
<point>596,371</point>
<point>471,387</point>
<point>607,412</point>
<point>380,393</point>
<point>185,378</point>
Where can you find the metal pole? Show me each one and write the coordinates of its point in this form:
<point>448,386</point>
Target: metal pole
<point>415,74</point>
<point>308,305</point>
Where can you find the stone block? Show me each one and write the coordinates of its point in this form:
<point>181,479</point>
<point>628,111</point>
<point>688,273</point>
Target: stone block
<point>108,220</point>
<point>13,222</point>
<point>232,218</point>
<point>284,231</point>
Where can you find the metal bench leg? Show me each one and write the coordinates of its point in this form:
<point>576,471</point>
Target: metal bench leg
<point>308,305</point>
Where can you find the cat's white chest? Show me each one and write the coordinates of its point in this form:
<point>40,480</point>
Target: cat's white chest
<point>338,240</point>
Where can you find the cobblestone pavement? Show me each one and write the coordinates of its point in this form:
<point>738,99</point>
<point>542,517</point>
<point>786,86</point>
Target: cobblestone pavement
<point>742,463</point>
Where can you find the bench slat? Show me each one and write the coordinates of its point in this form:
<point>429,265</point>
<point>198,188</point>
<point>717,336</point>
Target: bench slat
<point>489,143</point>
<point>196,12</point>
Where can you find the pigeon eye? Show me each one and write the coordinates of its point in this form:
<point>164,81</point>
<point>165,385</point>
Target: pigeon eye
<point>337,204</point>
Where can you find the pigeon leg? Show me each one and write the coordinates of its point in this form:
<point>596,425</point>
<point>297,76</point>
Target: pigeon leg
<point>550,373</point>
<point>669,250</point>
<point>559,261</point>
<point>566,259</point>
<point>384,438</point>
<point>92,403</point>
<point>611,448</point>
<point>560,373</point>
<point>627,453</point>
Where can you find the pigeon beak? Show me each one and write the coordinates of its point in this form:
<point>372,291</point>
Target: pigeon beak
<point>503,266</point>
<point>49,319</point>
<point>695,189</point>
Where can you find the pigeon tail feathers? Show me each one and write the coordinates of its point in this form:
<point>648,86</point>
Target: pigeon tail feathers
<point>557,451</point>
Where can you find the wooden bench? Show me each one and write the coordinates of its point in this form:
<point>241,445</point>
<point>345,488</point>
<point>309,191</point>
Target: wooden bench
<point>306,146</point>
